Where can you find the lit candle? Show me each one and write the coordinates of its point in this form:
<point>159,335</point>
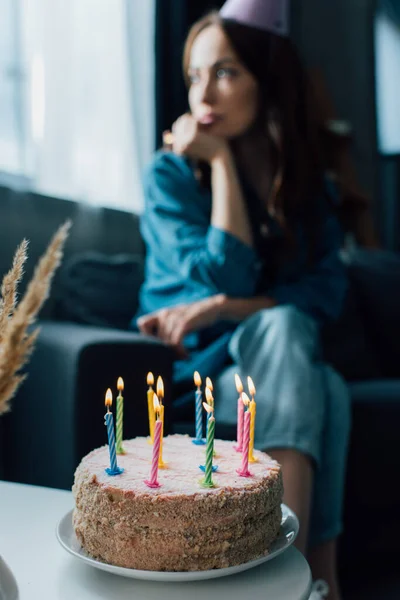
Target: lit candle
<point>252,408</point>
<point>150,408</point>
<point>240,413</point>
<point>244,470</point>
<point>120,416</point>
<point>209,396</point>
<point>199,411</point>
<point>109,421</point>
<point>210,402</point>
<point>152,481</point>
<point>209,384</point>
<point>160,397</point>
<point>207,481</point>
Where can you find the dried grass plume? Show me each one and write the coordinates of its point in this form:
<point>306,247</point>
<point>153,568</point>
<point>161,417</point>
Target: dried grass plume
<point>16,341</point>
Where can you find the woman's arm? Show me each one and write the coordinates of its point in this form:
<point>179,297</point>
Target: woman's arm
<point>183,243</point>
<point>238,309</point>
<point>229,211</point>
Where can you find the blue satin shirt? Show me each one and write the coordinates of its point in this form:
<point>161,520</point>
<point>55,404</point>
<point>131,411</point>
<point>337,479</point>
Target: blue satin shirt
<point>188,259</point>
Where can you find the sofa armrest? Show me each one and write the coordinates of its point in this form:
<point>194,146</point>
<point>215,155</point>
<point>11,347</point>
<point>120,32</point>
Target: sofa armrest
<point>375,276</point>
<point>58,413</point>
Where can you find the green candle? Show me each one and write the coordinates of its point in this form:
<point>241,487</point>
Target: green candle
<point>120,416</point>
<point>207,481</point>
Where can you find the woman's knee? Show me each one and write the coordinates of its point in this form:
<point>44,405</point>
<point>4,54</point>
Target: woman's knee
<point>276,328</point>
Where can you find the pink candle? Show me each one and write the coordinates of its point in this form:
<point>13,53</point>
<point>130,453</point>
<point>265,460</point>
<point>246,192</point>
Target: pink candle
<point>152,481</point>
<point>244,470</point>
<point>240,414</point>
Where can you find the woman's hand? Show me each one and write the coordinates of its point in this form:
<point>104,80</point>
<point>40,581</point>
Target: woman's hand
<point>189,138</point>
<point>172,324</point>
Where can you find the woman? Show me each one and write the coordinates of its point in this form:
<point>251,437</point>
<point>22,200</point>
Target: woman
<point>242,257</point>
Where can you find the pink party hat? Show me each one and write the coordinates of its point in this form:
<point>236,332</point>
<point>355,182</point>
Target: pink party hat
<point>271,15</point>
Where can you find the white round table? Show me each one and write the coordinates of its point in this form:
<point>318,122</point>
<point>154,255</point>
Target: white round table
<point>286,577</point>
<point>45,571</point>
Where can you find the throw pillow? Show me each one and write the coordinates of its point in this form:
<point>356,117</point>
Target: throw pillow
<point>100,290</point>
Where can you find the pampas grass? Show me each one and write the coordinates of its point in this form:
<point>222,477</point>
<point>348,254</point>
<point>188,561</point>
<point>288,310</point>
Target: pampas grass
<point>16,341</point>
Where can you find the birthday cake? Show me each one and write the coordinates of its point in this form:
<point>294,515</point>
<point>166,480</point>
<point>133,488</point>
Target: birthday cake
<point>180,525</point>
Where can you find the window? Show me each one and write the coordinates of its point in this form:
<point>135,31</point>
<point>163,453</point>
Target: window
<point>12,132</point>
<point>387,67</point>
<point>79,96</point>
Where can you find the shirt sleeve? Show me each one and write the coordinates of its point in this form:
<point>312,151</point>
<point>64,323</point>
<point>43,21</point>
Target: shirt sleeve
<point>176,228</point>
<point>320,292</point>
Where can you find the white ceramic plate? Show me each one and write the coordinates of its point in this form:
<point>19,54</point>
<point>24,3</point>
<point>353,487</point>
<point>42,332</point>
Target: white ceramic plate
<point>8,585</point>
<point>288,532</point>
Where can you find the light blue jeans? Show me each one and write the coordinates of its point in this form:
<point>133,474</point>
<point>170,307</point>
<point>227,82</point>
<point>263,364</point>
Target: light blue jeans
<point>302,403</point>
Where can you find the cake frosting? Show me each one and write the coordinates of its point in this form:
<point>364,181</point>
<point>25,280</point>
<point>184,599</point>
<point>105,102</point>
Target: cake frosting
<point>179,526</point>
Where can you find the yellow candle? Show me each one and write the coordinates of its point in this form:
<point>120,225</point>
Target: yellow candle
<point>252,408</point>
<point>160,396</point>
<point>120,416</point>
<point>150,405</point>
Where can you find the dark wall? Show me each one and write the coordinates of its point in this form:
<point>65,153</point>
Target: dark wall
<point>338,38</point>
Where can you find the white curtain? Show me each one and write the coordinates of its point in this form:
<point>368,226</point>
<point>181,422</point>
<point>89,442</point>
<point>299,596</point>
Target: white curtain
<point>88,121</point>
<point>387,69</point>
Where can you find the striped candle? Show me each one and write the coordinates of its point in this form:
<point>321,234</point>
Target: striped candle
<point>120,416</point>
<point>244,470</point>
<point>152,481</point>
<point>252,408</point>
<point>199,411</point>
<point>109,421</point>
<point>207,481</point>
<point>210,399</point>
<point>240,414</point>
<point>150,408</point>
<point>160,398</point>
<point>161,462</point>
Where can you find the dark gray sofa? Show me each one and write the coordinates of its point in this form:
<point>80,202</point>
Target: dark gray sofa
<point>57,414</point>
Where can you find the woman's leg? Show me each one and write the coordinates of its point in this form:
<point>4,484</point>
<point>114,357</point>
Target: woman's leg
<point>297,474</point>
<point>327,507</point>
<point>278,349</point>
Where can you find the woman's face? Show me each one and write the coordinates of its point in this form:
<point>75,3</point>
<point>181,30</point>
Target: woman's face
<point>223,94</point>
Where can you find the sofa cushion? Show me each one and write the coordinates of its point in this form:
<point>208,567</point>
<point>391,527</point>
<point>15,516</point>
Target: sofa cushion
<point>100,290</point>
<point>375,275</point>
<point>346,345</point>
<point>381,392</point>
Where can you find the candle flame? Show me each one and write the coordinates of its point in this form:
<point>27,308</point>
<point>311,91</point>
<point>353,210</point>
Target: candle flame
<point>209,384</point>
<point>160,388</point>
<point>156,403</point>
<point>208,408</point>
<point>239,384</point>
<point>251,386</point>
<point>197,379</point>
<point>120,384</point>
<point>150,378</point>
<point>108,401</point>
<point>209,396</point>
<point>246,399</point>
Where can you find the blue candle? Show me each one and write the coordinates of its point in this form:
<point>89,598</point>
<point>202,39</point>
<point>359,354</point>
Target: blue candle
<point>199,411</point>
<point>109,421</point>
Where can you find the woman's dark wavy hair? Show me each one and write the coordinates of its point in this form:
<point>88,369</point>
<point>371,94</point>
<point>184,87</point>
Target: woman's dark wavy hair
<point>287,115</point>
